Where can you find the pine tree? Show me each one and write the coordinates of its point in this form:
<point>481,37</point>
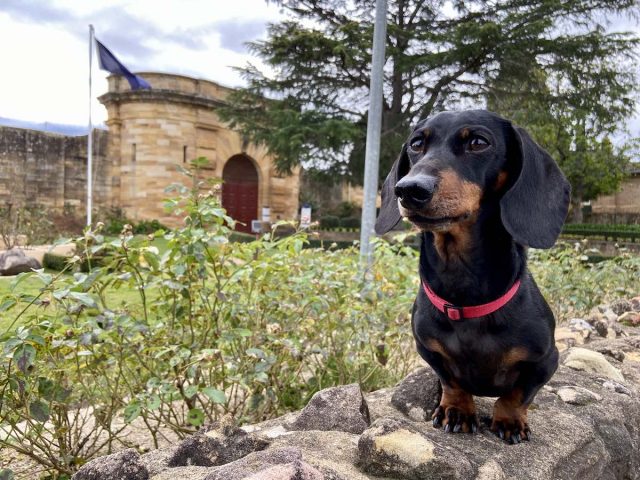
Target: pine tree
<point>312,108</point>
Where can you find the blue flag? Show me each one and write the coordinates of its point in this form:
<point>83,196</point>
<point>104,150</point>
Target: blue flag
<point>110,63</point>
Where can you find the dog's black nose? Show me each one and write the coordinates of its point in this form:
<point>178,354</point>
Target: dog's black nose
<point>416,192</point>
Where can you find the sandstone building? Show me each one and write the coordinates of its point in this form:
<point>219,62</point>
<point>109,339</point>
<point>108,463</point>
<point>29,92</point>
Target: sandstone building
<point>150,134</point>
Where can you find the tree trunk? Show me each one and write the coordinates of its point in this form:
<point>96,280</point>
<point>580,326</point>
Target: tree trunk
<point>576,209</point>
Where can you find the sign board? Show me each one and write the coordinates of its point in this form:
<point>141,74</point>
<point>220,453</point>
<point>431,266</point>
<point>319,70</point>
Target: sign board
<point>256,226</point>
<point>305,216</point>
<point>266,214</point>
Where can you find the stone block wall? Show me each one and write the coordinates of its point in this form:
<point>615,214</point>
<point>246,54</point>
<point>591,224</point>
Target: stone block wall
<point>51,170</point>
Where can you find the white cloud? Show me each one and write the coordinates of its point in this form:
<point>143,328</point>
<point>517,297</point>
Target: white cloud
<point>45,48</point>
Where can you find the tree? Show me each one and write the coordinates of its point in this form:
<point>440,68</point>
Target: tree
<point>576,131</point>
<point>312,109</point>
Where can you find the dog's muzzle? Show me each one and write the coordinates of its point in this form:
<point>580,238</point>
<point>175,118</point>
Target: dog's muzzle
<point>416,192</point>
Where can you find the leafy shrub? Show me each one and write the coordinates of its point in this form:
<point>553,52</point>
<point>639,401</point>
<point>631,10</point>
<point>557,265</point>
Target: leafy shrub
<point>631,232</point>
<point>25,225</point>
<point>350,223</point>
<point>146,227</point>
<point>55,262</point>
<point>247,329</point>
<point>329,221</point>
<point>345,210</point>
<point>573,284</point>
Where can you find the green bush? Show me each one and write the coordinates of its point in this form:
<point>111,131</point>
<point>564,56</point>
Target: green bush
<point>350,223</point>
<point>146,227</point>
<point>329,222</point>
<point>55,262</point>
<point>345,210</point>
<point>618,231</point>
<point>248,329</point>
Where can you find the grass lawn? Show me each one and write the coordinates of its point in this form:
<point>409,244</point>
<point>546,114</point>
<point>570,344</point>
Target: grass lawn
<point>115,297</point>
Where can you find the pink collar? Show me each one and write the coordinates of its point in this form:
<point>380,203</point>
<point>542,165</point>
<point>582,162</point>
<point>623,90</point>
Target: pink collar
<point>460,313</point>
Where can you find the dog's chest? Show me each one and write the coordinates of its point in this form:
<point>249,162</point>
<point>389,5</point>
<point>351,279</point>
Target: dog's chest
<point>478,358</point>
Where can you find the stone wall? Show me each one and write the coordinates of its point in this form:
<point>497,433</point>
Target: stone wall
<point>622,206</point>
<point>51,169</point>
<point>151,134</point>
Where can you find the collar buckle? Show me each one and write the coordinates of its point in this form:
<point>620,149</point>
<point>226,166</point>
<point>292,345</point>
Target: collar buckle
<point>453,312</point>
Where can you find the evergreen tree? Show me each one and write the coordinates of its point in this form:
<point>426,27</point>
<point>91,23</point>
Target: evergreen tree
<point>312,107</point>
<point>575,129</point>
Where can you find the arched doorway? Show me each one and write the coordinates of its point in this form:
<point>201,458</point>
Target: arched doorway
<point>240,191</point>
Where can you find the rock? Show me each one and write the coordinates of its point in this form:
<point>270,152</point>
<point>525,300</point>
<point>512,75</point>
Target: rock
<point>14,261</point>
<point>157,461</point>
<point>614,353</point>
<point>599,323</point>
<point>291,471</point>
<point>491,471</point>
<point>339,408</point>
<point>579,324</point>
<point>621,306</point>
<point>630,319</point>
<point>255,462</point>
<point>567,337</point>
<point>124,465</point>
<point>577,395</point>
<point>391,448</point>
<point>418,393</point>
<point>635,303</point>
<point>585,426</point>
<point>222,443</point>
<point>616,387</point>
<point>609,314</point>
<point>593,362</point>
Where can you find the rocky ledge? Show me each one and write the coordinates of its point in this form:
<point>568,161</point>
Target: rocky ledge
<point>585,424</point>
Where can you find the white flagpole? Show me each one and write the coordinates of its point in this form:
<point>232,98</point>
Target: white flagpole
<point>90,136</point>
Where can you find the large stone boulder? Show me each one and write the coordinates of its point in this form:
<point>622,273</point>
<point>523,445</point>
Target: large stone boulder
<point>585,425</point>
<point>14,261</point>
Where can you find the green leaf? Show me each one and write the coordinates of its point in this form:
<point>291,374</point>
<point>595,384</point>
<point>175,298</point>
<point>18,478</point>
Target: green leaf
<point>19,279</point>
<point>24,356</point>
<point>131,412</point>
<point>45,278</point>
<point>84,298</point>
<point>190,391</point>
<point>243,332</point>
<point>6,474</point>
<point>255,352</point>
<point>195,417</point>
<point>6,305</point>
<point>152,259</point>
<point>215,395</point>
<point>153,402</point>
<point>39,411</point>
<point>46,388</point>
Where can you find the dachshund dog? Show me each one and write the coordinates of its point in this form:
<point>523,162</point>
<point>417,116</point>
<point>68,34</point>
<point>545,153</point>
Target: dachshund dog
<point>481,191</point>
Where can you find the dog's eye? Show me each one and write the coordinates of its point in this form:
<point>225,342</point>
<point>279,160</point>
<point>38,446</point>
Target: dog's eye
<point>478,143</point>
<point>417,144</point>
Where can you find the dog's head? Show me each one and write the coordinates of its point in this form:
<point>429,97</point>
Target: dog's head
<point>455,161</point>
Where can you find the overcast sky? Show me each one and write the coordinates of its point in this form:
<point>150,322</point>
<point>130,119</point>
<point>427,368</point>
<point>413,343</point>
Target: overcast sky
<point>44,48</point>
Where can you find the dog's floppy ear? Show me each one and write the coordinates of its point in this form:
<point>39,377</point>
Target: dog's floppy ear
<point>533,210</point>
<point>389,215</point>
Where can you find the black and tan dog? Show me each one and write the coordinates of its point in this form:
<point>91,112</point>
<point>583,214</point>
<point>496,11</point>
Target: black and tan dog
<point>481,191</point>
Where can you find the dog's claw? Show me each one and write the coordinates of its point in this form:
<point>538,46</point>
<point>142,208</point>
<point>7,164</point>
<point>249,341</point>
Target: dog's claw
<point>454,420</point>
<point>511,433</point>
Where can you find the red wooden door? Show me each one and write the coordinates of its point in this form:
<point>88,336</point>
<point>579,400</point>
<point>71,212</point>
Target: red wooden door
<point>240,191</point>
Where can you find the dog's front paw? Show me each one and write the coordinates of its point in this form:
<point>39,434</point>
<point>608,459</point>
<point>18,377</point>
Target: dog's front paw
<point>455,420</point>
<point>510,422</point>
